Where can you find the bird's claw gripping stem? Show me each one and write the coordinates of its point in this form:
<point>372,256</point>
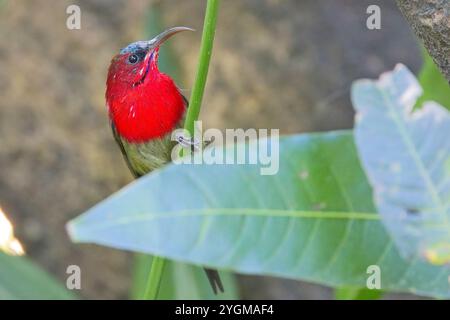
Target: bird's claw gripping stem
<point>192,143</point>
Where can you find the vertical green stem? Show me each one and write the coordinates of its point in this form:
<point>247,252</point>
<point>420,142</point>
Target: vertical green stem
<point>154,278</point>
<point>209,29</point>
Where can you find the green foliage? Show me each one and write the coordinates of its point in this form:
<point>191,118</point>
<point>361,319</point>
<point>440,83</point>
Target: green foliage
<point>312,221</point>
<point>348,293</point>
<point>434,84</point>
<point>181,281</point>
<point>20,279</point>
<point>411,176</point>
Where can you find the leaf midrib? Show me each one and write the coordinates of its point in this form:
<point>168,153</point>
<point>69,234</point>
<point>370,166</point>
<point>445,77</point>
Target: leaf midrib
<point>438,202</point>
<point>276,213</point>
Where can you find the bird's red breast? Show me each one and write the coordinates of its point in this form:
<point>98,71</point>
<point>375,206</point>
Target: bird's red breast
<point>143,103</point>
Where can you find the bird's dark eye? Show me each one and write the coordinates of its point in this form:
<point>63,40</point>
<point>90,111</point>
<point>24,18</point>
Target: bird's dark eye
<point>133,58</point>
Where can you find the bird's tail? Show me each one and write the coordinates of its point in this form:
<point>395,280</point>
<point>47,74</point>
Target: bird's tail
<point>214,280</point>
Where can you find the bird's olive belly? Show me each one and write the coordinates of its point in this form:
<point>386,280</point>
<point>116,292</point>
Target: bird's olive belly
<point>143,158</point>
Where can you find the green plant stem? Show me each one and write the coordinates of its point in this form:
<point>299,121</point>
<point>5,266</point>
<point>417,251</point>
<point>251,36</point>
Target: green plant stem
<point>154,278</point>
<point>209,29</point>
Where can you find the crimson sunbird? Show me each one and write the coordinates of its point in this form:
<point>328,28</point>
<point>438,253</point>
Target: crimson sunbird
<point>144,107</point>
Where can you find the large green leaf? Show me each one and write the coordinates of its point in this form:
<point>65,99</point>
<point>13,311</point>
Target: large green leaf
<point>314,220</point>
<point>407,157</point>
<point>20,279</point>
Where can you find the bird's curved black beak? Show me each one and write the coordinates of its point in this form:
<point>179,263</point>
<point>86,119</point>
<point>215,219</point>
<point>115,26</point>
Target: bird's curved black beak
<point>163,36</point>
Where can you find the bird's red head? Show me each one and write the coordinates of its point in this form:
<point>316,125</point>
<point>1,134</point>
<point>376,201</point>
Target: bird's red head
<point>143,103</point>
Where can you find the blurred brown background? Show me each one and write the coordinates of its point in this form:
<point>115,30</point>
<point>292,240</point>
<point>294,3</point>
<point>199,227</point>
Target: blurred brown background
<point>284,64</point>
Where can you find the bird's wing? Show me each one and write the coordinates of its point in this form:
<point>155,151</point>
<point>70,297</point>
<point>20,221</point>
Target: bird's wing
<point>122,149</point>
<point>185,100</point>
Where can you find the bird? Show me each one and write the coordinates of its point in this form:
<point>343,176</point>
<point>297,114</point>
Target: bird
<point>145,106</point>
